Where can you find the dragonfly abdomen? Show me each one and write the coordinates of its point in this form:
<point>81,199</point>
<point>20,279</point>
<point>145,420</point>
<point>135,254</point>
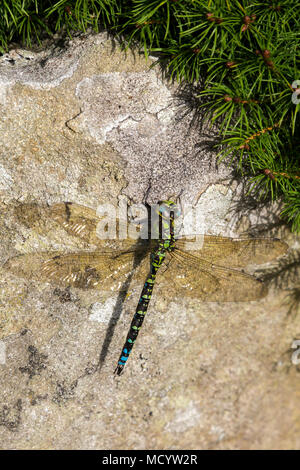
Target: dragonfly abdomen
<point>157,259</point>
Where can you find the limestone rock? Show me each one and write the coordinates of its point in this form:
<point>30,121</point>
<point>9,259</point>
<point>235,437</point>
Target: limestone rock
<point>87,123</point>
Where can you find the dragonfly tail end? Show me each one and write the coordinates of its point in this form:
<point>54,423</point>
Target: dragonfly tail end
<point>119,369</point>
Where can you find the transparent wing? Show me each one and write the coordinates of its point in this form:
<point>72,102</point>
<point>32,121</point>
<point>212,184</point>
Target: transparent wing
<point>77,220</point>
<point>234,252</point>
<point>85,270</point>
<point>206,281</point>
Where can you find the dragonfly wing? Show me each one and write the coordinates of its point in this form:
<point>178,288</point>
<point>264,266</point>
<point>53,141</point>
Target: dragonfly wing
<point>210,282</point>
<point>85,270</point>
<point>234,252</point>
<point>77,220</point>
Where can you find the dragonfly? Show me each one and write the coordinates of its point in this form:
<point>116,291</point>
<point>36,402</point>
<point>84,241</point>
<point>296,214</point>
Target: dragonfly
<point>212,273</point>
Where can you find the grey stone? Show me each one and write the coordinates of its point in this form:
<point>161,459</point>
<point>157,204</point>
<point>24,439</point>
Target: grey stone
<point>88,123</point>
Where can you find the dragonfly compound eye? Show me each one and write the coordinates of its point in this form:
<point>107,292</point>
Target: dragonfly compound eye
<point>166,207</point>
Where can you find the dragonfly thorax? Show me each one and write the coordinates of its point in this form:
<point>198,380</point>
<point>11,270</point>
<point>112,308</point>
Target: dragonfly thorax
<point>167,213</point>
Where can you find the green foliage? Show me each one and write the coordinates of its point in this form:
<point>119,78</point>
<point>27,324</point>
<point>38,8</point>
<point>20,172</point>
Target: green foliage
<point>246,54</point>
<point>28,20</point>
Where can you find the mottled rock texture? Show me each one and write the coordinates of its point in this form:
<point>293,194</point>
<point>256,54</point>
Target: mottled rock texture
<point>87,123</point>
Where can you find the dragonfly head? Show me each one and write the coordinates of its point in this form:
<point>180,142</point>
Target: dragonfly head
<point>166,207</point>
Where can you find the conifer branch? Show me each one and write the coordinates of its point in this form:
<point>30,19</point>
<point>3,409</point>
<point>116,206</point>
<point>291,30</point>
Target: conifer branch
<point>246,54</point>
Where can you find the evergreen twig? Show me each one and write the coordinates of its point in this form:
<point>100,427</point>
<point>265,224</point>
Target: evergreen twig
<point>245,52</point>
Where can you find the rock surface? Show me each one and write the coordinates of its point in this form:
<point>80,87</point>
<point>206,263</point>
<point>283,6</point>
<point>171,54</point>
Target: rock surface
<point>87,123</point>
